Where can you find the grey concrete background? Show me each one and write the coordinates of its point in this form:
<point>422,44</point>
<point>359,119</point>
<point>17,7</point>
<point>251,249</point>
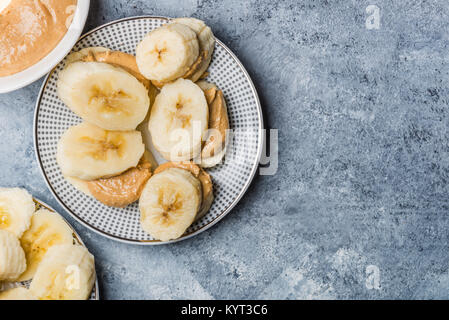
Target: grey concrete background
<point>363,158</point>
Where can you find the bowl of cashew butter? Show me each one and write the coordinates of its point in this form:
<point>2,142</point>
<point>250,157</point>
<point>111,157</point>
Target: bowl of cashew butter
<point>35,36</point>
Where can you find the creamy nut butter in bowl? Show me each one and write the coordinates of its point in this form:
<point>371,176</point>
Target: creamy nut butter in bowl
<point>35,36</point>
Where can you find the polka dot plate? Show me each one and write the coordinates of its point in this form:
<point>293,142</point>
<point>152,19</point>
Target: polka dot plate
<point>231,178</point>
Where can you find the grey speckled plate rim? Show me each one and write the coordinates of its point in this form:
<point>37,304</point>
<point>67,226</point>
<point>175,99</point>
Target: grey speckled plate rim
<point>78,238</point>
<point>153,242</point>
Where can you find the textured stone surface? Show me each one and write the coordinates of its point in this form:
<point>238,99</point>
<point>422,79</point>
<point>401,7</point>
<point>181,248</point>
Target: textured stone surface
<point>363,157</point>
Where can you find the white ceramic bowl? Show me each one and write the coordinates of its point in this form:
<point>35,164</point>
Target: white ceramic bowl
<point>27,76</point>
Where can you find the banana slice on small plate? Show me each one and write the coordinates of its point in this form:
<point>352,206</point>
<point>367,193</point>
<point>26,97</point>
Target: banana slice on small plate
<point>48,229</point>
<point>230,178</point>
<point>67,272</point>
<point>12,257</point>
<point>16,210</point>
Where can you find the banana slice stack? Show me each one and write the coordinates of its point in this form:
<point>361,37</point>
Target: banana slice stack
<point>159,92</point>
<point>39,246</point>
<point>189,117</point>
<point>178,194</point>
<point>181,49</point>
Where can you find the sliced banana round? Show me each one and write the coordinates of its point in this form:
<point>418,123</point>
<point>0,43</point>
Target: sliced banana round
<point>67,272</point>
<point>201,175</point>
<point>206,40</point>
<point>104,95</point>
<point>12,257</point>
<point>47,229</point>
<point>16,210</point>
<point>167,53</point>
<point>19,293</point>
<point>169,203</point>
<point>88,152</point>
<point>179,120</point>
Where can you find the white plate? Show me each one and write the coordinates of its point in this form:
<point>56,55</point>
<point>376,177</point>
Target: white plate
<point>31,74</point>
<point>231,179</point>
<point>95,295</point>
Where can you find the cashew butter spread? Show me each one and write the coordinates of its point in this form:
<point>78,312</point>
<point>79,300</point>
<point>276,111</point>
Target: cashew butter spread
<point>30,29</point>
<point>121,190</point>
<point>218,120</point>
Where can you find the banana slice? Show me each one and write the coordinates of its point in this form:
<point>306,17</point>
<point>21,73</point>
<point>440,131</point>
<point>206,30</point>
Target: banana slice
<point>19,293</point>
<point>88,152</point>
<point>16,209</point>
<point>206,40</point>
<point>47,229</point>
<point>214,148</point>
<point>169,203</point>
<point>104,95</point>
<point>202,176</point>
<point>12,257</point>
<point>122,190</point>
<point>67,272</point>
<point>168,52</point>
<point>179,120</point>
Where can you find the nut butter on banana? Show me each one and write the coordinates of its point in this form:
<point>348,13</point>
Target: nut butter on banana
<point>218,120</point>
<point>121,190</point>
<point>214,148</point>
<point>29,30</point>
